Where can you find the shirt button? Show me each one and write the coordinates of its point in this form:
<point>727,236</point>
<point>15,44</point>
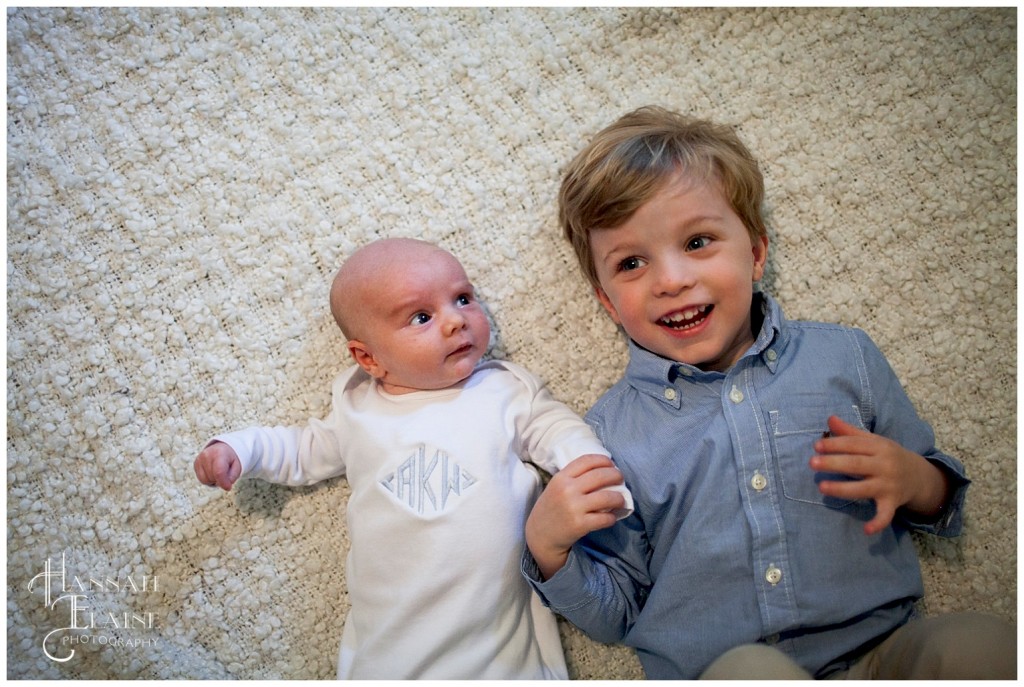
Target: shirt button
<point>773,575</point>
<point>771,639</point>
<point>759,481</point>
<point>670,394</point>
<point>772,355</point>
<point>736,396</point>
<point>684,371</point>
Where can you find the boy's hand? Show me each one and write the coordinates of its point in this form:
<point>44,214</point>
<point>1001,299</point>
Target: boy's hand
<point>218,465</point>
<point>890,475</point>
<point>572,505</point>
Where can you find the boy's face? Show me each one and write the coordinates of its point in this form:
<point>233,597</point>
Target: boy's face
<point>421,325</point>
<point>679,275</point>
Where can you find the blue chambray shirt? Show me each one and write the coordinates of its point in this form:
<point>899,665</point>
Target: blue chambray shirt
<point>731,542</point>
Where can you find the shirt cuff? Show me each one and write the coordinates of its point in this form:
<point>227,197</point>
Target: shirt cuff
<point>949,522</point>
<point>565,591</point>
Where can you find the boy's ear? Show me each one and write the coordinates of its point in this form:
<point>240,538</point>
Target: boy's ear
<point>607,303</point>
<point>364,358</point>
<point>760,248</point>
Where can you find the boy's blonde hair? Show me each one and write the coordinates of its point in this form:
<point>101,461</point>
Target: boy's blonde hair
<point>628,162</point>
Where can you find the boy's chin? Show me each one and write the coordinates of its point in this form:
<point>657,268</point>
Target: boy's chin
<point>677,354</point>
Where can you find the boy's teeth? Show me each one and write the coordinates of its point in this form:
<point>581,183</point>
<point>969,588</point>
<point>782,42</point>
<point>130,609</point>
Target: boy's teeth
<point>684,317</point>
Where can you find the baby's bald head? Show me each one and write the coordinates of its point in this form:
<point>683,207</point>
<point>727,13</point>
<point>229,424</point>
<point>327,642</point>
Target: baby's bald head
<point>363,273</point>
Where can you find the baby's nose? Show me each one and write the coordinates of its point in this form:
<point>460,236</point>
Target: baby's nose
<point>454,321</point>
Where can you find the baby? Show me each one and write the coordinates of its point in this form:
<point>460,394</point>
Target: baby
<point>435,446</point>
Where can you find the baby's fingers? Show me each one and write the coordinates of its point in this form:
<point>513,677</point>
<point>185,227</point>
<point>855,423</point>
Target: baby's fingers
<point>218,466</point>
<point>200,468</point>
<point>206,469</point>
<point>226,473</point>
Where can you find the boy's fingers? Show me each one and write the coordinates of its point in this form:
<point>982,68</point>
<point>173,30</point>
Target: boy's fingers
<point>597,479</point>
<point>842,437</point>
<point>606,500</point>
<point>842,463</point>
<point>599,520</point>
<point>586,463</point>
<point>883,517</point>
<point>843,428</point>
<point>853,490</point>
<point>843,444</point>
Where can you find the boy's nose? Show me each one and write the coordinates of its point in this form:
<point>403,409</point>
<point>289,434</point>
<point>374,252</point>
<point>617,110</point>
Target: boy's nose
<point>672,277</point>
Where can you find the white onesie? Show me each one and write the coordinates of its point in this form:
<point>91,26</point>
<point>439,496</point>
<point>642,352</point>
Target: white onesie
<point>440,495</point>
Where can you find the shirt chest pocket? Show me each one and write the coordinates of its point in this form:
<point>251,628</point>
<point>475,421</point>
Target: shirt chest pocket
<point>794,431</point>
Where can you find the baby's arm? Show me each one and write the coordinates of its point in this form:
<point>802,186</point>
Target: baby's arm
<point>576,501</point>
<point>218,465</point>
<point>891,475</point>
<point>296,456</point>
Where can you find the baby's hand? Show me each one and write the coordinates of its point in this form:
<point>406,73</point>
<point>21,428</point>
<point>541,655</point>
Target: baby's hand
<point>575,502</point>
<point>892,476</point>
<point>218,465</point>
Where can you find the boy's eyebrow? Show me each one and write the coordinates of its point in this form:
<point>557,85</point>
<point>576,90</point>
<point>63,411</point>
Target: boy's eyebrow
<point>686,224</point>
<point>700,219</point>
<point>614,248</point>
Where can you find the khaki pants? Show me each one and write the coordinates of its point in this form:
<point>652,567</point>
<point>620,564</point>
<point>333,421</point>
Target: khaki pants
<point>955,646</point>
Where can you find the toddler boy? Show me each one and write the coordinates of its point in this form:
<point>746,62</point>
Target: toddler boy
<point>777,466</point>
<point>434,448</point>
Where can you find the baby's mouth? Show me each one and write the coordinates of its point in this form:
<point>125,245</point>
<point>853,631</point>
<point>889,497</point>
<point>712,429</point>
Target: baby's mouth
<point>686,319</point>
<point>461,350</point>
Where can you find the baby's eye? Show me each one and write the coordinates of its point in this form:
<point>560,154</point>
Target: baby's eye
<point>420,318</point>
<point>697,242</point>
<point>464,300</point>
<point>631,263</point>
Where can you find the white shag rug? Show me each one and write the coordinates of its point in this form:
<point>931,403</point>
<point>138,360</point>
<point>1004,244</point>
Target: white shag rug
<point>183,183</point>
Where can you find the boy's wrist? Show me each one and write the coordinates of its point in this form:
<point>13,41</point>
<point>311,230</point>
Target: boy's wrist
<point>935,494</point>
<point>543,570</point>
<point>548,562</point>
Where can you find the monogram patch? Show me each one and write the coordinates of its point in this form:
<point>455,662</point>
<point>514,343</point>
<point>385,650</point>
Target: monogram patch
<point>427,485</point>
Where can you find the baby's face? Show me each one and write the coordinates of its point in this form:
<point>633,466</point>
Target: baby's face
<point>425,328</point>
<point>679,275</point>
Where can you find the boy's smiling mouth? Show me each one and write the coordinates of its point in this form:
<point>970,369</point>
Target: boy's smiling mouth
<point>687,318</point>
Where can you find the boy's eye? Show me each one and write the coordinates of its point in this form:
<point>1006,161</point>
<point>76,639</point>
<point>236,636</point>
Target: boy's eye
<point>697,242</point>
<point>420,318</point>
<point>631,263</point>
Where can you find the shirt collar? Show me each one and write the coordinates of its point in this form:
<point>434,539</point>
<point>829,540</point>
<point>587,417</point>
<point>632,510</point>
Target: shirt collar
<point>655,375</point>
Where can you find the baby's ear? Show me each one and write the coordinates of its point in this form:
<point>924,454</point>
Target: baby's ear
<point>364,357</point>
